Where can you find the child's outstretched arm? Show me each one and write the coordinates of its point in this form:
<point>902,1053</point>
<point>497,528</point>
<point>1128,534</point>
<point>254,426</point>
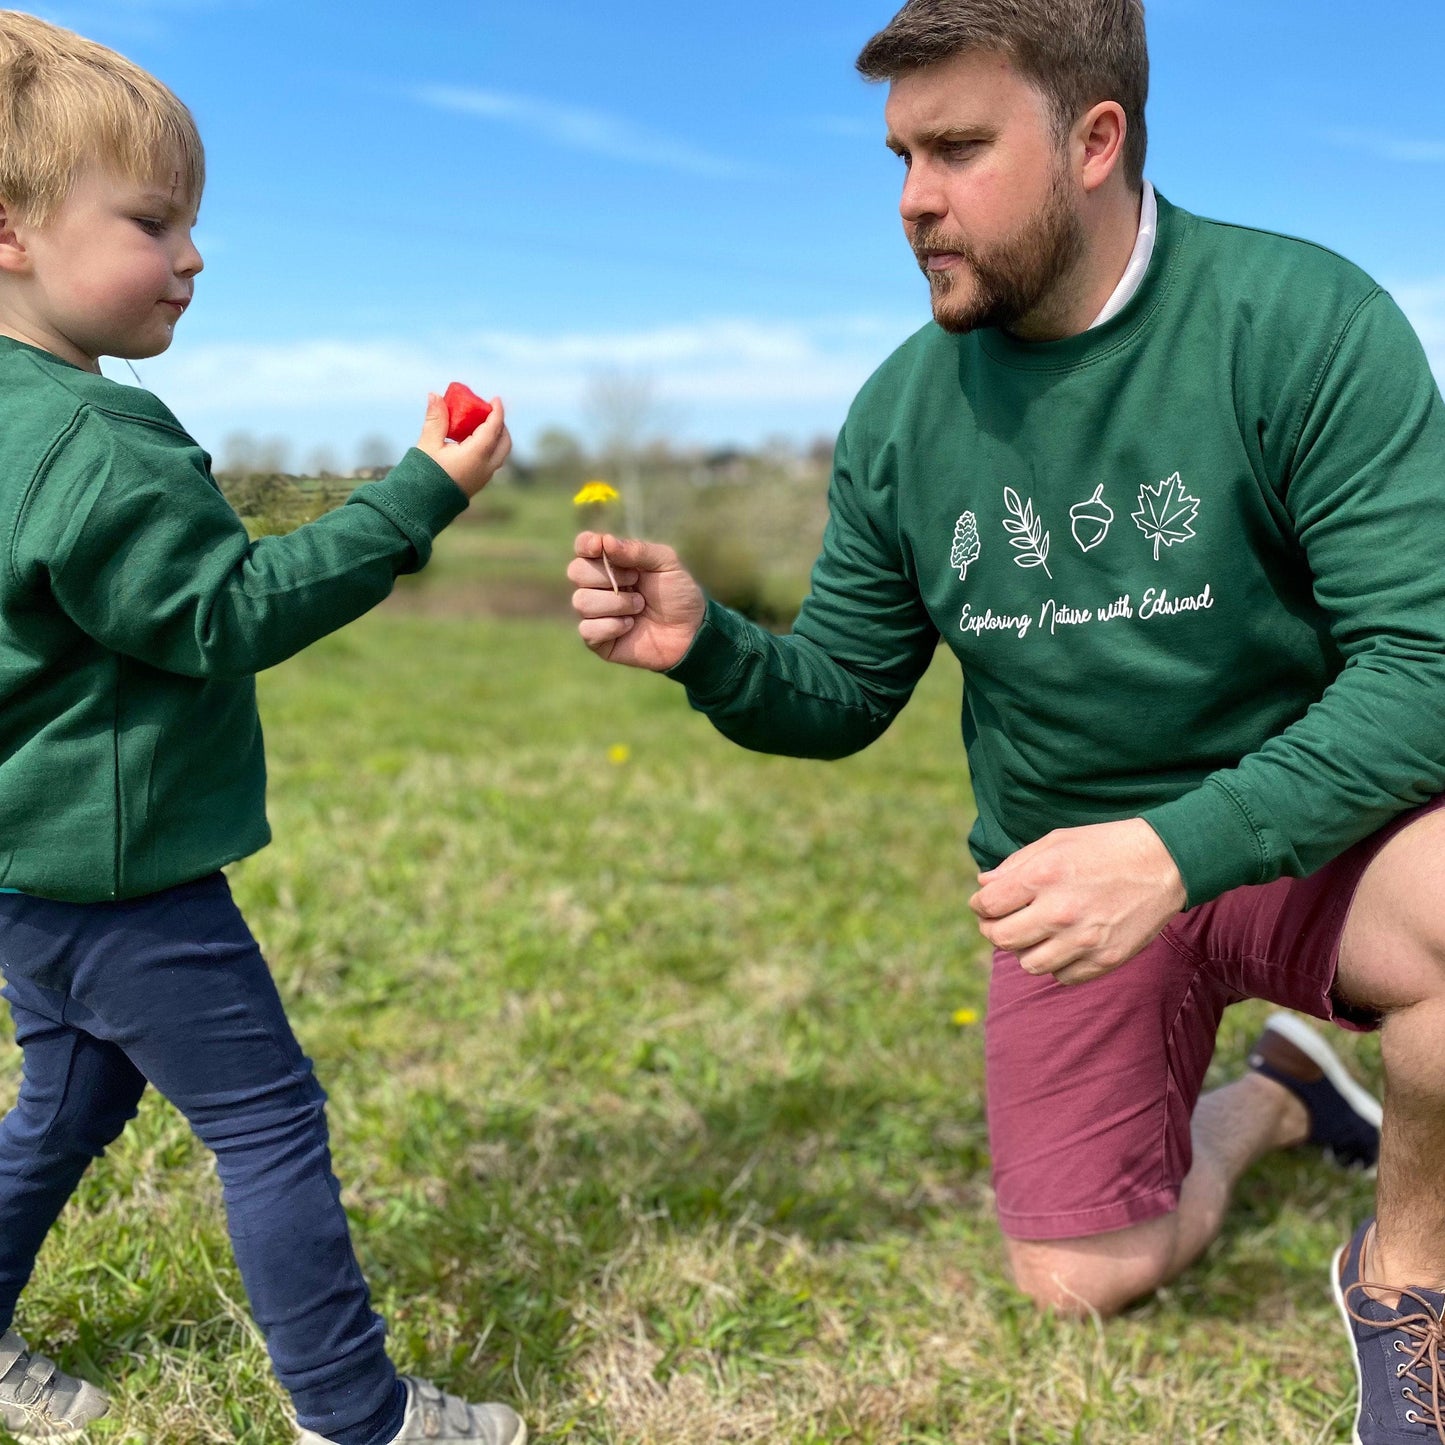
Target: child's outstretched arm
<point>125,527</point>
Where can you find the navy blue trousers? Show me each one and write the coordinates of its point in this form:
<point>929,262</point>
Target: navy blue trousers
<point>172,990</point>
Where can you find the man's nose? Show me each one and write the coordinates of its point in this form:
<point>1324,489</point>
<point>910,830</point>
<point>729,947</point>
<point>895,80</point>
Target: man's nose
<point>922,198</point>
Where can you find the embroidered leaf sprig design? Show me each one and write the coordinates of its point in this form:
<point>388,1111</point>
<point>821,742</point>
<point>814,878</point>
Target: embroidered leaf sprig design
<point>1166,513</point>
<point>966,545</point>
<point>1028,532</point>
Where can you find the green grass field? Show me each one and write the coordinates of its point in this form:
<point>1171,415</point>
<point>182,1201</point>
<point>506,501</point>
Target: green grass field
<point>647,1085</point>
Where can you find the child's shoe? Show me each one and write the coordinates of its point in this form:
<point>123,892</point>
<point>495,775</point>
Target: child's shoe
<point>445,1420</point>
<point>38,1401</point>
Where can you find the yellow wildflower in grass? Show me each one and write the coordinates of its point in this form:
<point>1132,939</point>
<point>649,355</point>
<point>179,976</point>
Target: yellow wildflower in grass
<point>618,754</point>
<point>595,494</point>
<point>963,1017</point>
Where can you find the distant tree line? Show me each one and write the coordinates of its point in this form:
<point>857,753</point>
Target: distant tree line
<point>740,516</point>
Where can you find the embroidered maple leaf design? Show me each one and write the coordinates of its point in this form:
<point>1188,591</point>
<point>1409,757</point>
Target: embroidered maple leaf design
<point>1166,513</point>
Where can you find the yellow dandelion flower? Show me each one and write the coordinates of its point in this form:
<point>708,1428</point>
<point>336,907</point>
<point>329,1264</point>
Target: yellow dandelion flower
<point>618,754</point>
<point>963,1017</point>
<point>595,494</point>
<point>592,499</point>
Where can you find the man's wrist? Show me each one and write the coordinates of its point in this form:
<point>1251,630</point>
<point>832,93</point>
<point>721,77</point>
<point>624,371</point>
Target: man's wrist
<point>1171,880</point>
<point>715,656</point>
<point>1212,841</point>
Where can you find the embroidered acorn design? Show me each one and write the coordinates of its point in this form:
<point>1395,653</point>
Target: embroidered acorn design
<point>1092,520</point>
<point>966,545</point>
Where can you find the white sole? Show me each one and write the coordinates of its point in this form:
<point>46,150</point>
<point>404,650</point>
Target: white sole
<point>1350,1335</point>
<point>520,1438</point>
<point>1307,1041</point>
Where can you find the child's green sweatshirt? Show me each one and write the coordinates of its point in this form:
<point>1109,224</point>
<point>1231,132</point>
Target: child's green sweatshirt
<point>134,613</point>
<point>1190,561</point>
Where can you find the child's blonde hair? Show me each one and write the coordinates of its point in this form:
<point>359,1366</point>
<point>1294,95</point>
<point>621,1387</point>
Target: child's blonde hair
<point>66,102</point>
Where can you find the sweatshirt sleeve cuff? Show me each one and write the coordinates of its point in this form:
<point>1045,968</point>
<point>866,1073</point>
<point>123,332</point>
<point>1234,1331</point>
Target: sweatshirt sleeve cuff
<point>717,655</point>
<point>418,497</point>
<point>1213,841</point>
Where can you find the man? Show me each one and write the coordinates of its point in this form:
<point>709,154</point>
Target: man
<point>1169,490</point>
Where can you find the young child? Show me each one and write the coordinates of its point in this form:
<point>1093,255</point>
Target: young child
<point>134,613</point>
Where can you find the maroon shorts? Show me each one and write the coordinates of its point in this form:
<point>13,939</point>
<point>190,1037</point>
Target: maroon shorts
<point>1091,1088</point>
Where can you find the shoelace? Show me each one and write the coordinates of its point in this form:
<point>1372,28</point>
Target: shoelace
<point>1426,1332</point>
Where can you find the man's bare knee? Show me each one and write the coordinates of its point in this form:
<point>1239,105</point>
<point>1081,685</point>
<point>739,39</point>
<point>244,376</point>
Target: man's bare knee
<point>1392,951</point>
<point>1101,1274</point>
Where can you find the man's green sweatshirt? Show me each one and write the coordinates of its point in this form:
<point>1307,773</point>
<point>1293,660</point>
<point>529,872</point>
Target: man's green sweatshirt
<point>1190,562</point>
<point>134,613</point>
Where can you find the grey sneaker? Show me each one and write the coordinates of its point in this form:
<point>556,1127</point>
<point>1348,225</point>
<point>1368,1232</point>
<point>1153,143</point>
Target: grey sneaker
<point>445,1420</point>
<point>38,1401</point>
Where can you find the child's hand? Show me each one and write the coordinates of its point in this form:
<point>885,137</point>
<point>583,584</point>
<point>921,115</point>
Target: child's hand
<point>473,463</point>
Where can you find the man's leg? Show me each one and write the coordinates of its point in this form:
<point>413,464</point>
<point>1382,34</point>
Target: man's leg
<point>1392,958</point>
<point>1279,942</point>
<point>1105,1188</point>
<point>1233,1127</point>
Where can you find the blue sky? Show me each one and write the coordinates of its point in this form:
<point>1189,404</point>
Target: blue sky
<point>527,194</point>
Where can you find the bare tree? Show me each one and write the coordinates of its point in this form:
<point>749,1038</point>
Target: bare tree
<point>559,458</point>
<point>238,454</point>
<point>321,462</point>
<point>375,453</point>
<point>625,413</point>
<point>273,454</point>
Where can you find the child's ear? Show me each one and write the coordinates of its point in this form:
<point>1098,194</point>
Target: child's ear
<point>14,258</point>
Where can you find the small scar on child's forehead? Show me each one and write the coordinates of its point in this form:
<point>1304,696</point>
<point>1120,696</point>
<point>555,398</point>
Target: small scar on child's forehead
<point>175,182</point>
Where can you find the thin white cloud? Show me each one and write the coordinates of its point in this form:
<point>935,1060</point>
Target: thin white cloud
<point>131,19</point>
<point>726,378</point>
<point>1404,149</point>
<point>146,13</point>
<point>734,361</point>
<point>723,379</point>
<point>590,131</point>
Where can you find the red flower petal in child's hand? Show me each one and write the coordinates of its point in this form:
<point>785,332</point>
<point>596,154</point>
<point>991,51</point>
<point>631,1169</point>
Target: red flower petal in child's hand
<point>466,411</point>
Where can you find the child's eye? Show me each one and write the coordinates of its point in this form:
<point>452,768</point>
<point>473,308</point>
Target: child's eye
<point>150,225</point>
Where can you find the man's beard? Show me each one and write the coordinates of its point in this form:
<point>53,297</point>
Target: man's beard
<point>1013,280</point>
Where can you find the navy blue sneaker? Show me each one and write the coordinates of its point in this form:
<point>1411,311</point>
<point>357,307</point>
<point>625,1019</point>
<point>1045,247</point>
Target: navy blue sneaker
<point>1399,1354</point>
<point>1344,1116</point>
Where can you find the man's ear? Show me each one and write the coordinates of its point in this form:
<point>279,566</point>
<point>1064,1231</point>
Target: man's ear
<point>14,257</point>
<point>1099,143</point>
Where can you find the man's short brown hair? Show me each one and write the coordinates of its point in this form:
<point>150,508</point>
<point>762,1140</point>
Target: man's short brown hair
<point>66,102</point>
<point>1078,53</point>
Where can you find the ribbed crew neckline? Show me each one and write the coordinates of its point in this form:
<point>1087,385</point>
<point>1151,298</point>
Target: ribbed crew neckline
<point>1088,346</point>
